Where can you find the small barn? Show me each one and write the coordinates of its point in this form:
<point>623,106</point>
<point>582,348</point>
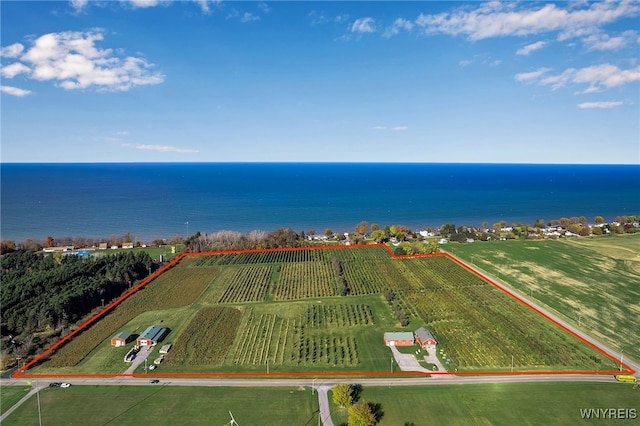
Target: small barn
<point>402,338</point>
<point>152,335</point>
<point>121,339</point>
<point>425,339</point>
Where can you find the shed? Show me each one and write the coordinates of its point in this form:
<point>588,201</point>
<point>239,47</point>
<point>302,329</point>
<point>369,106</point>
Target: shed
<point>121,339</point>
<point>152,335</point>
<point>402,338</point>
<point>425,338</point>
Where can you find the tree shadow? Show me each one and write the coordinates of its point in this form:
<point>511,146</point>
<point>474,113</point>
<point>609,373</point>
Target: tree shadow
<point>376,409</point>
<point>356,391</point>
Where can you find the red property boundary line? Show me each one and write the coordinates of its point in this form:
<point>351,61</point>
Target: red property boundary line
<point>21,372</point>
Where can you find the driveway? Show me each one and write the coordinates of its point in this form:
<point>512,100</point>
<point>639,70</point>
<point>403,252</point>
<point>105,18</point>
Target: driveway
<point>407,362</point>
<point>432,358</point>
<point>145,351</point>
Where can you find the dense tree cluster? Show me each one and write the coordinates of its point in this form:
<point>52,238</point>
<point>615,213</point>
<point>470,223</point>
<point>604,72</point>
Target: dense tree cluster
<point>47,291</point>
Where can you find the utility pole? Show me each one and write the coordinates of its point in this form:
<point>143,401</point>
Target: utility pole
<point>313,385</point>
<point>392,365</point>
<point>621,360</point>
<point>512,363</point>
<point>267,365</point>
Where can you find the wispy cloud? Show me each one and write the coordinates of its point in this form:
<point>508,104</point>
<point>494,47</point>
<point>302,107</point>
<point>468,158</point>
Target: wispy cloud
<point>73,60</point>
<point>526,76</point>
<point>394,128</point>
<point>142,3</point>
<point>320,18</point>
<point>601,41</point>
<point>162,148</point>
<point>499,19</point>
<point>363,25</point>
<point>597,77</point>
<point>399,24</point>
<point>249,17</point>
<point>602,104</point>
<point>526,50</point>
<point>15,91</point>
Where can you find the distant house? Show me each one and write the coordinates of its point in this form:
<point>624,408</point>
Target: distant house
<point>127,245</point>
<point>121,339</point>
<point>102,246</point>
<point>58,249</point>
<point>425,339</point>
<point>402,338</point>
<point>152,335</point>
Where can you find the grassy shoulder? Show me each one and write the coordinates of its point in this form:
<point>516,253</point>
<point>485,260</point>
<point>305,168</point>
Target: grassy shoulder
<point>498,404</point>
<point>590,282</point>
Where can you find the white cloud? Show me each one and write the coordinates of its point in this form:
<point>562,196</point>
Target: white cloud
<point>526,76</point>
<point>79,5</point>
<point>363,25</point>
<point>497,19</point>
<point>264,8</point>
<point>248,17</point>
<point>526,50</point>
<point>398,24</point>
<point>74,61</point>
<point>601,41</point>
<point>394,128</point>
<point>596,77</point>
<point>605,104</point>
<point>12,51</point>
<point>14,69</point>
<point>142,3</point>
<point>15,91</point>
<point>163,148</point>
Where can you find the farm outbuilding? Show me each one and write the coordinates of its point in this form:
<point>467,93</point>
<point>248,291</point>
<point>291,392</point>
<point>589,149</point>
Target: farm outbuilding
<point>121,339</point>
<point>425,338</point>
<point>402,338</point>
<point>152,335</point>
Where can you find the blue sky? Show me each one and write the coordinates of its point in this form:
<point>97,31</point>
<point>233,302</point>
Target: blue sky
<point>490,82</point>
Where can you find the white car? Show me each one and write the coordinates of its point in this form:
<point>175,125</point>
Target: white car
<point>65,385</point>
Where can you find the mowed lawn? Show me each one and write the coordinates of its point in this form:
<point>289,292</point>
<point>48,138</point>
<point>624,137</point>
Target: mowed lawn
<point>497,404</point>
<point>593,283</point>
<point>168,405</point>
<point>9,395</point>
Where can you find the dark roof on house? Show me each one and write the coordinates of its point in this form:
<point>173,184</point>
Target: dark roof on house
<point>124,335</point>
<point>153,333</point>
<point>423,335</point>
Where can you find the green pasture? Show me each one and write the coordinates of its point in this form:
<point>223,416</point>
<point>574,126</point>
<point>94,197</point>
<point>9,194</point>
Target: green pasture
<point>593,283</point>
<point>553,403</point>
<point>9,395</point>
<point>168,405</point>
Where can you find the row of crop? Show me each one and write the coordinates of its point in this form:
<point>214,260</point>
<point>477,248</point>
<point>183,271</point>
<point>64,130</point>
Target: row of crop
<point>366,276</point>
<point>255,339</point>
<point>337,351</point>
<point>304,280</point>
<point>337,315</point>
<point>178,287</point>
<point>246,284</point>
<point>207,338</point>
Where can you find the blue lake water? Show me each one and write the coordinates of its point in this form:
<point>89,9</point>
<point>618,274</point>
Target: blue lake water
<point>156,200</point>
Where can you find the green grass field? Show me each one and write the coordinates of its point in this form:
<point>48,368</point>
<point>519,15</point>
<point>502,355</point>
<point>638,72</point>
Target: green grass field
<point>293,318</point>
<point>9,395</point>
<point>496,404</point>
<point>168,405</point>
<point>593,283</point>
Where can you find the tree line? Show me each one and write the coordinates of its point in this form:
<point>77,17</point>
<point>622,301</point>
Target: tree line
<point>47,292</point>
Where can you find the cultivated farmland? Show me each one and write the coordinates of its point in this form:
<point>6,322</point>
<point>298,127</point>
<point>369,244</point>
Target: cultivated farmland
<point>282,310</point>
<point>593,283</point>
